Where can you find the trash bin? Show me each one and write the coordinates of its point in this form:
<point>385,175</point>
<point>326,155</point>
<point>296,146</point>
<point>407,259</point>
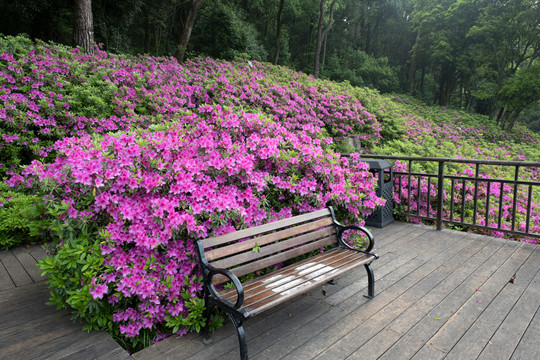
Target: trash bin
<point>385,189</point>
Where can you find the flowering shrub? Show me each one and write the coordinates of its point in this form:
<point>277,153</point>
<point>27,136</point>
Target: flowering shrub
<point>136,158</point>
<point>433,131</point>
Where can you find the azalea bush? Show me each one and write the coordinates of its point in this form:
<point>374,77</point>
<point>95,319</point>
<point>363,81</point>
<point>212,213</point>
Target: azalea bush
<point>137,200</point>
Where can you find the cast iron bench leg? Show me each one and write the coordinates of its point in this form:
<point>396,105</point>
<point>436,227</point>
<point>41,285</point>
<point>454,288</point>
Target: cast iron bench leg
<point>207,314</point>
<point>371,281</point>
<point>241,336</point>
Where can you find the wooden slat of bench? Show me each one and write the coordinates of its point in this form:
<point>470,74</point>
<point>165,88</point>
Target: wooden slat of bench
<point>286,255</point>
<point>265,239</point>
<point>250,285</point>
<point>285,295</point>
<point>245,233</point>
<point>308,271</point>
<point>302,277</point>
<point>269,249</point>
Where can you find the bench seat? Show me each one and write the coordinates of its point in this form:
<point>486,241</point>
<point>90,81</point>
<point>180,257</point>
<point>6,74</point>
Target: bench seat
<point>278,286</point>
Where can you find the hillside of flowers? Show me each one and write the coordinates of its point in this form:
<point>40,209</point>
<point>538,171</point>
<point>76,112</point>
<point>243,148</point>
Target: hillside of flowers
<point>440,132</point>
<point>122,162</point>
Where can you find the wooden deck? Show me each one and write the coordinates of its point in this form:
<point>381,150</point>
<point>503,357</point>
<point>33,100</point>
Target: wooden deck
<point>440,295</point>
<point>29,329</point>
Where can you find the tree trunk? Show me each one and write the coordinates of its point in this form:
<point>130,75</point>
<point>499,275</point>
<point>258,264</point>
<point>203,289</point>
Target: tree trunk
<point>446,86</point>
<point>422,78</point>
<point>278,30</point>
<point>147,32</point>
<point>83,25</point>
<point>321,33</point>
<point>188,27</point>
<point>501,119</point>
<point>467,100</point>
<point>324,52</point>
<point>461,95</point>
<point>412,71</point>
<point>512,120</point>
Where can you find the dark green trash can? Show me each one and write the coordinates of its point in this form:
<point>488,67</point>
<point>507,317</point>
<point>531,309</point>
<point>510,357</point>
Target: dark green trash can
<point>385,189</point>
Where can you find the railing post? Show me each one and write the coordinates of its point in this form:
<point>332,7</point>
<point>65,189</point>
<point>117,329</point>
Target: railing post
<point>440,190</point>
<point>514,202</point>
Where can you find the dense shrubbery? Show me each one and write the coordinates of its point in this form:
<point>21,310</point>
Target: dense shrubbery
<point>134,158</point>
<point>21,218</point>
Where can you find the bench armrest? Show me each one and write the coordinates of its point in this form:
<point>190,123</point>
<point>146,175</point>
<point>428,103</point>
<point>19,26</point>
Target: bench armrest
<point>236,282</point>
<point>342,229</point>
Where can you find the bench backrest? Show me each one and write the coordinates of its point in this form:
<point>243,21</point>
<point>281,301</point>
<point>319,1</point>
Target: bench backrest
<point>249,250</point>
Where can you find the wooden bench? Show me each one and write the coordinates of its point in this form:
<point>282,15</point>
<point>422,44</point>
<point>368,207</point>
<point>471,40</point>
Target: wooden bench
<point>227,258</point>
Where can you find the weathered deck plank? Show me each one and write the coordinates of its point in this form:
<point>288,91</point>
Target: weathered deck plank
<point>5,279</point>
<point>508,335</point>
<point>443,312</point>
<point>28,262</point>
<point>528,345</point>
<point>14,268</point>
<point>438,295</point>
<point>470,344</point>
<point>400,315</point>
<point>30,329</point>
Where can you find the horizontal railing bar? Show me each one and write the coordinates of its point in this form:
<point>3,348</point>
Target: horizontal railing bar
<point>456,177</point>
<point>455,160</point>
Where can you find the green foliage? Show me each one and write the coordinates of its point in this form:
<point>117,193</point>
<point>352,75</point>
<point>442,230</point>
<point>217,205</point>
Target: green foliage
<point>71,267</point>
<point>221,32</point>
<point>387,112</point>
<point>256,248</point>
<point>22,218</point>
<point>454,52</point>
<point>521,90</point>
<point>362,69</point>
<point>45,19</point>
<point>195,320</point>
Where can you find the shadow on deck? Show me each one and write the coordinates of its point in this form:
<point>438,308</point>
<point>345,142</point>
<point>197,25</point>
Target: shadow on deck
<point>439,294</point>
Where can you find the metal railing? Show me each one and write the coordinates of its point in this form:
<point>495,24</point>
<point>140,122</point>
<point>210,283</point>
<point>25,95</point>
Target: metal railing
<point>469,200</point>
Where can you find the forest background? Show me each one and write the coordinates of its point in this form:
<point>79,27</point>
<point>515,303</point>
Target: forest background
<point>477,55</point>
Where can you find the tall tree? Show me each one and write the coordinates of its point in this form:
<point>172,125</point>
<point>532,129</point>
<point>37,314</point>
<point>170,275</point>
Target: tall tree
<point>518,93</point>
<point>278,31</point>
<point>83,25</point>
<point>442,27</point>
<point>322,31</point>
<point>195,6</point>
<point>506,39</point>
